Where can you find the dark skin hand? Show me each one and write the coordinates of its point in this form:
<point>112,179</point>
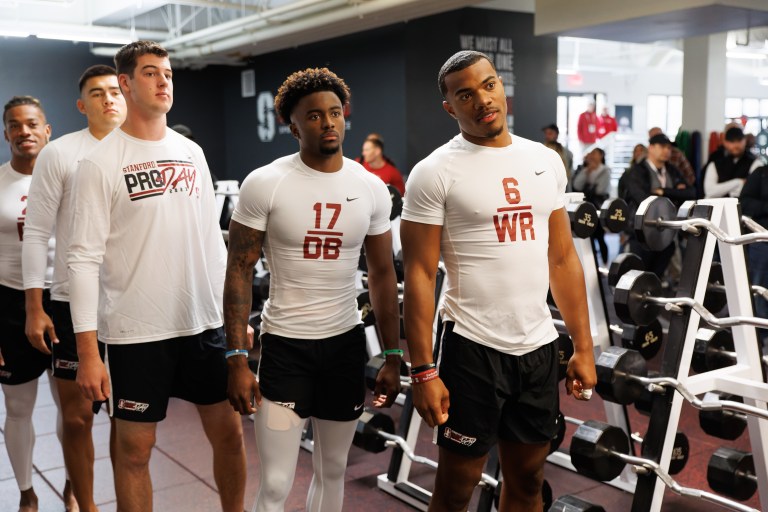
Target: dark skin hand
<point>243,252</point>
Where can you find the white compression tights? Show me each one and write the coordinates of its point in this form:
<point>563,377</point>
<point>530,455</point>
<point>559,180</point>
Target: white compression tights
<point>19,432</point>
<point>278,436</point>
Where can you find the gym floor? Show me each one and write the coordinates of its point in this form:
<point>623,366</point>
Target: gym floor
<point>183,479</point>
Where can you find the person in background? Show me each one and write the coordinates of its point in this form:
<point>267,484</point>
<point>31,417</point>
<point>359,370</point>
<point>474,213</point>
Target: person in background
<point>606,123</point>
<point>754,204</point>
<point>376,162</point>
<point>551,134</point>
<point>587,127</point>
<point>727,169</point>
<point>594,180</point>
<point>678,159</point>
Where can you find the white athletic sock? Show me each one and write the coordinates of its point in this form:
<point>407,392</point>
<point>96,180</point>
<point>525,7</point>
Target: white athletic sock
<point>332,440</point>
<point>19,432</point>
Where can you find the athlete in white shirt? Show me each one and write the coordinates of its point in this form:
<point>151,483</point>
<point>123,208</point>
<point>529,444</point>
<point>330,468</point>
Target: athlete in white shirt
<point>492,205</point>
<point>49,211</point>
<point>27,132</point>
<point>147,255</point>
<point>311,212</point>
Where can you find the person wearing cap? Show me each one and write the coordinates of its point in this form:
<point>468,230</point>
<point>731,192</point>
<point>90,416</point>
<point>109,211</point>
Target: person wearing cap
<point>677,158</point>
<point>727,170</point>
<point>656,176</point>
<point>551,134</point>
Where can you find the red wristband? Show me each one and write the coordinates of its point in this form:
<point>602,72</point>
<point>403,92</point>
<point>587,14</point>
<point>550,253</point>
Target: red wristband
<point>424,376</point>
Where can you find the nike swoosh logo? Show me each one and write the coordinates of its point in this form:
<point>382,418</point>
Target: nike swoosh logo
<point>538,173</point>
<point>358,407</point>
<point>348,199</point>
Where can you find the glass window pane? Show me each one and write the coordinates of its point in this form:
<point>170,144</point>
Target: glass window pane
<point>674,115</point>
<point>657,112</point>
<point>733,107</point>
<point>751,107</point>
<point>764,107</point>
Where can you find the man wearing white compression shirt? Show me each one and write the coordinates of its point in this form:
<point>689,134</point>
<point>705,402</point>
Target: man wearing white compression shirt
<point>27,132</point>
<point>493,206</point>
<point>146,269</point>
<point>49,208</point>
<point>311,212</point>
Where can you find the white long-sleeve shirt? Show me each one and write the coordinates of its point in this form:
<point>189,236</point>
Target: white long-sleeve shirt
<point>146,250</point>
<point>49,208</point>
<point>730,188</point>
<point>14,189</point>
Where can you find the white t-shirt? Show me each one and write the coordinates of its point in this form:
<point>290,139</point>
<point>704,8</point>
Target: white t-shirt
<point>50,207</point>
<point>315,225</point>
<point>14,189</point>
<point>146,249</point>
<point>494,205</point>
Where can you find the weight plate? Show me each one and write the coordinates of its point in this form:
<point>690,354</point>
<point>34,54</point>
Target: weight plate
<point>651,210</point>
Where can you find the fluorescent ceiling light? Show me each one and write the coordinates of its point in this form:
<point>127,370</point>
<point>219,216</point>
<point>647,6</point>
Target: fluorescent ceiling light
<point>84,38</point>
<point>746,55</point>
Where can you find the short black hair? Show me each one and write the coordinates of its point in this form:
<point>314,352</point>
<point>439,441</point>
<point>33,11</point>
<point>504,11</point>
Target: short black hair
<point>457,62</point>
<point>94,71</point>
<point>18,101</point>
<point>126,57</point>
<point>734,134</point>
<point>659,138</point>
<point>306,82</point>
<point>552,126</point>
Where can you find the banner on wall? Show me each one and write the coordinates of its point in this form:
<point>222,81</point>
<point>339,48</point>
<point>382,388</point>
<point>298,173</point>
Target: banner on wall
<point>501,53</point>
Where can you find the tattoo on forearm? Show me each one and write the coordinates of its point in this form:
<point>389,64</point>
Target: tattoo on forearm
<point>243,253</point>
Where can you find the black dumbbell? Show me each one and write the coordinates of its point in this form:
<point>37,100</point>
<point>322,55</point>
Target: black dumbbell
<point>367,431</point>
<point>365,308</point>
<point>592,448</point>
<point>569,503</point>
<point>583,217</point>
<point>614,215</point>
<point>397,202</point>
<point>564,353</point>
<point>645,339</point>
<point>732,472</point>
<point>620,265</point>
<point>723,424</point>
<point>681,448</point>
<point>630,298</point>
<point>714,298</point>
<point>375,364</point>
<point>712,350</point>
<point>650,224</point>
<point>617,368</point>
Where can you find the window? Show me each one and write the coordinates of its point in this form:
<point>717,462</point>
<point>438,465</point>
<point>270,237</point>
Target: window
<point>666,112</point>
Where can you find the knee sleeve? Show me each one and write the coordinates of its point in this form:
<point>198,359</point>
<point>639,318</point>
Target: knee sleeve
<point>278,436</point>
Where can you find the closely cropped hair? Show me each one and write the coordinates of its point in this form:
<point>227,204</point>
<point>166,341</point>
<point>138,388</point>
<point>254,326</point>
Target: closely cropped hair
<point>126,57</point>
<point>457,62</point>
<point>304,83</point>
<point>734,134</point>
<point>17,101</point>
<point>94,71</point>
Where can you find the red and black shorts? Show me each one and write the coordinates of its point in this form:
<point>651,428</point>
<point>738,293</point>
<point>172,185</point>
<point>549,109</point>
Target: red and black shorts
<point>143,376</point>
<point>323,378</point>
<point>495,395</point>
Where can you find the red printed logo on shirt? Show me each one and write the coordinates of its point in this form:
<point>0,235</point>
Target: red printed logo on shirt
<point>324,243</point>
<point>515,220</point>
<point>150,179</point>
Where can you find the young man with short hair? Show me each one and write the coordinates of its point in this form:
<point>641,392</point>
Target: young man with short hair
<point>27,132</point>
<point>311,212</point>
<point>49,210</point>
<point>493,205</point>
<point>146,269</point>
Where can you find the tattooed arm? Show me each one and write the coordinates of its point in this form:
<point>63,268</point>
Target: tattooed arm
<point>243,253</point>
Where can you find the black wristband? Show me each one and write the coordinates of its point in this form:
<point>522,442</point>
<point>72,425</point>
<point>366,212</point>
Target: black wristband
<point>423,368</point>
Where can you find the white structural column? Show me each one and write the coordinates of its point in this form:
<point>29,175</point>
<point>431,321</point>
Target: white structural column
<point>704,70</point>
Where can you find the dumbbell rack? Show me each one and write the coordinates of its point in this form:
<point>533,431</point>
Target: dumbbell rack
<point>745,378</point>
<point>615,414</point>
<point>396,481</point>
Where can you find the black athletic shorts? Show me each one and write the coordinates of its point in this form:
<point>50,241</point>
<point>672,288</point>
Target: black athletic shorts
<point>143,376</point>
<point>495,395</point>
<point>65,359</point>
<point>322,378</point>
<point>23,362</point>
